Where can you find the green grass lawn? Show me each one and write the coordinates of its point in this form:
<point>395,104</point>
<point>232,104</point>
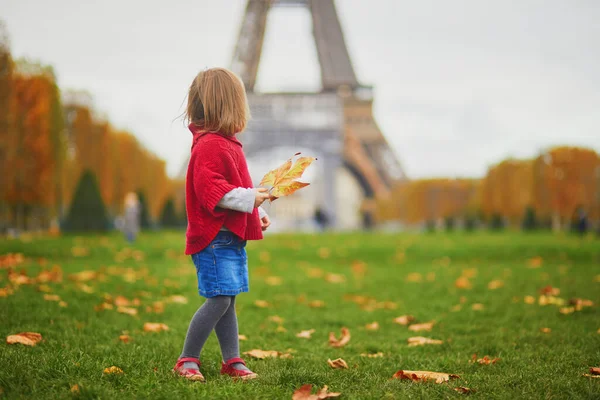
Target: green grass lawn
<point>384,276</point>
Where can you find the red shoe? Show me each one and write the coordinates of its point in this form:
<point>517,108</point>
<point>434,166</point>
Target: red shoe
<point>227,369</point>
<point>188,373</point>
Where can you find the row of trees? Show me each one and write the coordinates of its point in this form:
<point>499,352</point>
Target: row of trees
<point>550,190</point>
<point>49,138</point>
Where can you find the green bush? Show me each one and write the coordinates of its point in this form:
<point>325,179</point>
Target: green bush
<point>529,219</point>
<point>144,217</point>
<point>87,211</point>
<point>168,216</point>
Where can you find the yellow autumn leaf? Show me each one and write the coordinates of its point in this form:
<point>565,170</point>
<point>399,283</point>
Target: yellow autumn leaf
<point>420,341</point>
<point>344,339</point>
<point>337,363</point>
<point>282,179</point>
<point>113,370</point>
<point>286,189</point>
<point>262,304</point>
<point>155,327</point>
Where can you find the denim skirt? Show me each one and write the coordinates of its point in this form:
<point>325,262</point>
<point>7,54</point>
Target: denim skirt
<point>222,267</point>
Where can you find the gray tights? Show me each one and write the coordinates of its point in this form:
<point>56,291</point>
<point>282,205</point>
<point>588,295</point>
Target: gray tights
<point>216,313</point>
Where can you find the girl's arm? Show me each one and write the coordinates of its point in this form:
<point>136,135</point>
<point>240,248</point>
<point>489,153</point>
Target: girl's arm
<point>242,200</point>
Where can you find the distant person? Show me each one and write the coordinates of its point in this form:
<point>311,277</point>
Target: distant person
<point>223,211</point>
<point>131,218</point>
<point>321,219</point>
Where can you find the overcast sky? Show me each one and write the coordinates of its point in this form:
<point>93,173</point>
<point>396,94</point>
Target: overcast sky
<point>459,85</point>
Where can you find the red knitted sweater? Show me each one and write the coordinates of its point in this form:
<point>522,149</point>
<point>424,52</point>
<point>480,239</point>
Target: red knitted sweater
<point>217,166</point>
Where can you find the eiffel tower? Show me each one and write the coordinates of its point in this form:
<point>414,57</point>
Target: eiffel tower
<point>336,123</point>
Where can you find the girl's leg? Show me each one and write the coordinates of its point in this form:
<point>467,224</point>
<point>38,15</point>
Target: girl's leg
<point>227,333</point>
<point>202,324</point>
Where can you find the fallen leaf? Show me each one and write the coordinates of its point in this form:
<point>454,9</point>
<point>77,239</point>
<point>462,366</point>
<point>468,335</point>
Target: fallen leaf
<point>485,360</point>
<point>127,310</point>
<point>62,304</point>
<point>83,276</point>
<point>535,262</point>
<point>125,338</point>
<point>324,252</point>
<point>372,355</point>
<point>595,370</point>
<point>11,260</point>
<point>264,256</point>
<point>420,376</point>
<point>420,341</point>
<point>262,354</point>
<point>304,393</point>
<point>104,306</point>
<point>463,283</point>
<point>155,327</point>
<point>550,291</point>
<point>372,326</point>
<point>314,272</point>
<point>316,304</point>
<point>51,297</point>
<point>281,328</point>
<point>273,280</point>
<point>456,308</point>
<point>25,338</point>
<point>335,278</point>
<point>262,304</point>
<point>113,370</point>
<point>75,388</point>
<point>242,337</point>
<point>477,307</point>
<point>337,363</point>
<point>463,390</point>
<point>305,334</point>
<point>5,292</point>
<point>404,319</point>
<point>344,339</point>
<point>566,310</point>
<point>121,301</point>
<point>276,318</point>
<point>414,277</point>
<point>495,284</point>
<point>426,326</point>
<point>529,299</point>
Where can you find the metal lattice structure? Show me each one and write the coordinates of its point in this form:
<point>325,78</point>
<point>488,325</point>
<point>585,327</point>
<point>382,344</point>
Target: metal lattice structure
<point>336,123</point>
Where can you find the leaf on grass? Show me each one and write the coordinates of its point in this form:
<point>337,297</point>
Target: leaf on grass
<point>486,360</point>
<point>463,283</point>
<point>337,363</point>
<point>125,338</point>
<point>304,393</point>
<point>550,291</point>
<point>24,338</point>
<point>463,390</point>
<point>566,310</point>
<point>127,310</point>
<point>262,354</point>
<point>273,280</point>
<point>51,297</point>
<point>372,326</point>
<point>477,307</point>
<point>316,304</point>
<point>529,299</point>
<point>282,179</point>
<point>262,304</point>
<point>495,284</point>
<point>281,329</point>
<point>535,262</point>
<point>545,330</point>
<point>426,326</point>
<point>5,292</point>
<point>103,306</point>
<point>335,278</point>
<point>113,370</point>
<point>594,373</point>
<point>75,388</point>
<point>414,277</point>
<point>155,327</point>
<point>305,334</point>
<point>276,318</point>
<point>404,319</point>
<point>372,355</point>
<point>179,299</point>
<point>242,337</point>
<point>344,339</point>
<point>83,276</point>
<point>324,252</point>
<point>421,376</point>
<point>121,301</point>
<point>420,341</point>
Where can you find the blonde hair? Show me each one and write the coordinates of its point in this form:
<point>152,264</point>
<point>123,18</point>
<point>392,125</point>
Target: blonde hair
<point>131,199</point>
<point>217,102</point>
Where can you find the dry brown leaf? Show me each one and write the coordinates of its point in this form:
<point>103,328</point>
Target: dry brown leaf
<point>178,299</point>
<point>262,303</point>
<point>595,370</point>
<point>420,376</point>
<point>463,390</point>
<point>420,341</point>
<point>545,330</point>
<point>121,301</point>
<point>529,299</point>
<point>404,319</point>
<point>495,284</point>
<point>316,304</point>
<point>25,338</point>
<point>276,318</point>
<point>11,260</point>
<point>566,310</point>
<point>5,292</point>
<point>75,388</point>
<point>51,297</point>
<point>414,277</point>
<point>372,355</point>
<point>155,327</point>
<point>484,361</point>
<point>127,310</point>
<point>535,262</point>
<point>262,354</point>
<point>113,370</point>
<point>273,280</point>
<point>125,338</point>
<point>335,278</point>
<point>304,393</point>
<point>305,334</point>
<point>426,326</point>
<point>550,291</point>
<point>103,306</point>
<point>242,337</point>
<point>337,363</point>
<point>463,283</point>
<point>344,339</point>
<point>372,326</point>
<point>83,276</point>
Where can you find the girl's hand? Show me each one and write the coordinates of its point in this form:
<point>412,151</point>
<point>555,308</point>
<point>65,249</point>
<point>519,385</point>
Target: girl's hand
<point>265,222</point>
<point>262,194</point>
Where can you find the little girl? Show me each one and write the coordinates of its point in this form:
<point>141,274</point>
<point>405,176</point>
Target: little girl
<point>223,212</point>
